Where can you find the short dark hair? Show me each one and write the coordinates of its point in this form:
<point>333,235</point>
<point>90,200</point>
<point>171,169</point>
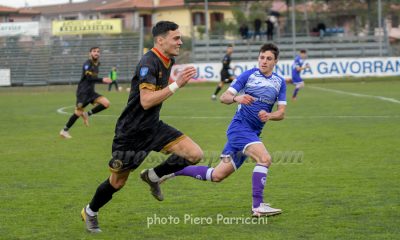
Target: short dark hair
<point>270,47</point>
<point>303,51</point>
<point>92,48</point>
<point>229,45</point>
<point>162,28</point>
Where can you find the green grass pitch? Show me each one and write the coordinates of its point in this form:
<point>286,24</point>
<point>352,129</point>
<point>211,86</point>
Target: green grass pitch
<point>346,186</point>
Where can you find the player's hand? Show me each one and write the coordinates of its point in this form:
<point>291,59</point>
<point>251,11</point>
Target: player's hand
<point>244,99</point>
<point>185,75</point>
<point>263,115</point>
<point>107,80</point>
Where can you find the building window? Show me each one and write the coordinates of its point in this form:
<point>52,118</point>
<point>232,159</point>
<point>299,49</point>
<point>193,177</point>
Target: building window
<point>216,17</point>
<point>198,18</point>
<point>395,21</point>
<point>146,18</point>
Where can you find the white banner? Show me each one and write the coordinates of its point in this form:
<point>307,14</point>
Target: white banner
<point>319,68</point>
<point>5,79</point>
<point>19,28</point>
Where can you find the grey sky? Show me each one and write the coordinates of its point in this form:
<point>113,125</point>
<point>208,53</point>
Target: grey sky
<point>21,3</point>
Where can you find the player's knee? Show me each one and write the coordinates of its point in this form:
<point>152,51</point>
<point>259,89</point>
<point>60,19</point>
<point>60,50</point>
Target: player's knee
<point>118,183</point>
<point>265,160</point>
<point>217,177</point>
<point>106,104</point>
<point>78,112</point>
<point>195,155</point>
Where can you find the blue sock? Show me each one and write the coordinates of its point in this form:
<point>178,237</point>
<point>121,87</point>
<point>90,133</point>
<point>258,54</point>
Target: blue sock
<point>296,90</point>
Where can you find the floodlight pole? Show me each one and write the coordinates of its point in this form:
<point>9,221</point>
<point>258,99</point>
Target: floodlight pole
<point>380,26</point>
<point>207,37</point>
<point>293,29</point>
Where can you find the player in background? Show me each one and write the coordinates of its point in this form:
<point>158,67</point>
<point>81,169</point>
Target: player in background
<point>259,89</point>
<point>139,130</point>
<point>113,76</point>
<point>226,71</point>
<point>85,93</point>
<point>297,67</point>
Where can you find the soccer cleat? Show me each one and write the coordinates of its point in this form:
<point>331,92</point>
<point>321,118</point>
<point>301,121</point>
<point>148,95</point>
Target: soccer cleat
<point>154,186</point>
<point>265,210</point>
<point>85,117</point>
<point>214,97</point>
<point>92,224</point>
<point>166,177</point>
<point>65,134</point>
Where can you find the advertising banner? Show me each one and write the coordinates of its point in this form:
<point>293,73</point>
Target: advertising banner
<point>83,27</point>
<point>19,28</point>
<point>319,68</point>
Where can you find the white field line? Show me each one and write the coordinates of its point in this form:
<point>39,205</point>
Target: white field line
<point>356,94</point>
<point>62,111</point>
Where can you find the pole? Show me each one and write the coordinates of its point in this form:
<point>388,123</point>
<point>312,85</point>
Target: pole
<point>293,29</point>
<point>380,26</point>
<point>141,36</point>
<point>207,36</point>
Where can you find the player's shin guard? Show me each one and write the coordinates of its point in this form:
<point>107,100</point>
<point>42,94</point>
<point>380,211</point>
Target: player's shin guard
<point>102,196</point>
<point>296,90</point>
<point>96,109</point>
<point>173,164</point>
<point>259,180</point>
<point>71,122</point>
<point>199,172</point>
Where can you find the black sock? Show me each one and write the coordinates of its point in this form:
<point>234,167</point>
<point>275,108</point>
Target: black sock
<point>96,109</point>
<point>217,90</point>
<point>102,196</point>
<point>71,122</point>
<point>173,164</point>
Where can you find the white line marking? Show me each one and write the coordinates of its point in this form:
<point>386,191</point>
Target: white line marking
<point>356,94</point>
<point>62,111</point>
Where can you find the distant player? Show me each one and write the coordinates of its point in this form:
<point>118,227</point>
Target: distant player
<point>260,89</point>
<point>297,67</point>
<point>226,71</point>
<point>85,93</point>
<point>113,76</point>
<point>139,129</point>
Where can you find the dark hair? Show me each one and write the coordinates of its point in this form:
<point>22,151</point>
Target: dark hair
<point>270,47</point>
<point>162,28</point>
<point>92,48</point>
<point>303,51</point>
<point>229,45</point>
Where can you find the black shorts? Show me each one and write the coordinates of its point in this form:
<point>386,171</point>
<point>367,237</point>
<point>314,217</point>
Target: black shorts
<point>226,77</point>
<point>128,154</point>
<point>82,100</point>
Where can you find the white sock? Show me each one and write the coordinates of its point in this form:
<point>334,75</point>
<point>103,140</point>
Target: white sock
<point>90,212</point>
<point>153,176</point>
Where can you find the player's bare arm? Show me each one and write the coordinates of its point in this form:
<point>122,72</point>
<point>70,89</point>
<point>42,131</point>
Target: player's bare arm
<point>277,115</point>
<point>228,98</point>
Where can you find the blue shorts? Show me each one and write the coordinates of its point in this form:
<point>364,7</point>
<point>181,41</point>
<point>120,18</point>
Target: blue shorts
<point>238,141</point>
<point>296,79</point>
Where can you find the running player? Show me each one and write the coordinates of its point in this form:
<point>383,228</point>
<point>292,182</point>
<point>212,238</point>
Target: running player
<point>226,71</point>
<point>259,89</point>
<point>297,67</point>
<point>85,93</point>
<point>139,129</point>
